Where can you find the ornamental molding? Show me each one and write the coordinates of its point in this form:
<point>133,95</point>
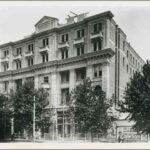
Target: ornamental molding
<point>105,53</point>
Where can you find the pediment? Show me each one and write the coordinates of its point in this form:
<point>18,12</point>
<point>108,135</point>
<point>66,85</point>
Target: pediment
<point>45,19</point>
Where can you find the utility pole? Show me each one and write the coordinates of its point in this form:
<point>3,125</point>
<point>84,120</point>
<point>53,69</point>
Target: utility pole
<point>34,119</point>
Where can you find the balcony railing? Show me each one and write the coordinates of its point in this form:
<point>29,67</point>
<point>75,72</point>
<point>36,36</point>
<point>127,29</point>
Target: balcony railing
<point>44,49</point>
<point>16,57</point>
<point>29,53</point>
<point>96,35</point>
<point>79,40</point>
<point>63,45</point>
<point>5,59</point>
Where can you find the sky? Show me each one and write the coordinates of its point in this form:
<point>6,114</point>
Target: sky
<point>17,19</point>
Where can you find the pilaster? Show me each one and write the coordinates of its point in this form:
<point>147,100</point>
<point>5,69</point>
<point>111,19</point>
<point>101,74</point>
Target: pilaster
<point>105,78</point>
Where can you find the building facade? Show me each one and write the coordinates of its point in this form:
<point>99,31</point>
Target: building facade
<point>59,56</point>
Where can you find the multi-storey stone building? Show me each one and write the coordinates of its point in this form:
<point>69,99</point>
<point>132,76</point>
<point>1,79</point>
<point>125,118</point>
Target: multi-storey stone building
<point>59,56</point>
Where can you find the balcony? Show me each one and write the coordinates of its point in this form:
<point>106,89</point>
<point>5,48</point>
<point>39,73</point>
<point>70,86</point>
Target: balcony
<point>96,35</point>
<point>5,59</point>
<point>79,40</point>
<point>29,53</point>
<point>44,49</point>
<point>45,85</point>
<point>63,45</point>
<point>17,57</point>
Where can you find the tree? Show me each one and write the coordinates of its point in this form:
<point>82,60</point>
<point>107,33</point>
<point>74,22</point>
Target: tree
<point>137,100</point>
<point>90,109</point>
<point>23,107</point>
<point>5,115</point>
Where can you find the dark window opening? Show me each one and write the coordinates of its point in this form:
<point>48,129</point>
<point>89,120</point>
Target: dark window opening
<point>97,45</point>
<point>97,27</point>
<point>65,77</point>
<point>80,74</point>
<point>46,79</point>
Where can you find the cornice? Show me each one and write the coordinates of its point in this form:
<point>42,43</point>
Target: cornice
<point>57,29</point>
<point>93,55</point>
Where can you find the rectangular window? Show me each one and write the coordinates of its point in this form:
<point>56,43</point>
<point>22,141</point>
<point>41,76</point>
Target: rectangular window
<point>123,45</point>
<point>80,74</point>
<point>127,68</point>
<point>6,66</point>
<point>30,61</point>
<point>45,42</point>
<point>18,64</point>
<point>64,53</point>
<point>80,50</point>
<point>97,45</point>
<point>18,83</point>
<point>6,85</point>
<point>80,33</point>
<point>97,71</point>
<point>64,38</point>
<point>18,51</point>
<point>64,96</point>
<point>46,79</point>
<point>130,70</point>
<point>127,53</point>
<point>133,60</point>
<point>65,77</point>
<point>44,57</point>
<point>6,53</point>
<point>64,124</point>
<point>123,61</point>
<point>97,27</point>
<point>30,48</point>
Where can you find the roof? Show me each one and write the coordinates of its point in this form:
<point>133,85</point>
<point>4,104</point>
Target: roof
<point>45,17</point>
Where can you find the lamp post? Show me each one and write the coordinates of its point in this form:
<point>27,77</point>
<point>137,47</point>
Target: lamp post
<point>34,119</point>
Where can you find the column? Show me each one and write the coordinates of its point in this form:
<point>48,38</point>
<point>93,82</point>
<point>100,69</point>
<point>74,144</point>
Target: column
<point>11,89</point>
<point>89,72</point>
<point>105,78</point>
<point>55,88</point>
<point>55,91</point>
<point>36,81</point>
<point>72,85</point>
<point>72,80</point>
